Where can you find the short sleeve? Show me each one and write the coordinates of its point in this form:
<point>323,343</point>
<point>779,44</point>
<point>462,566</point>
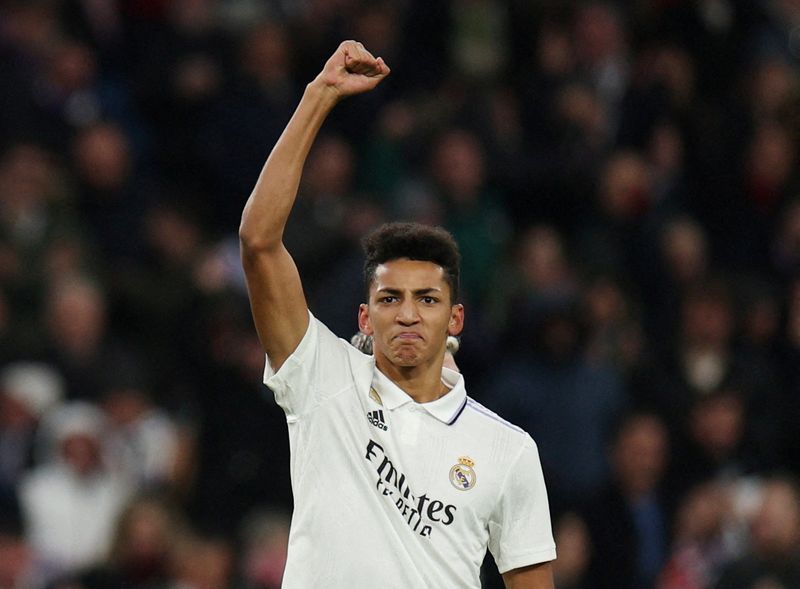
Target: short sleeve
<point>520,533</point>
<point>317,369</point>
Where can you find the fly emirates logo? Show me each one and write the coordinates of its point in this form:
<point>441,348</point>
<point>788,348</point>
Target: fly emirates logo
<point>420,513</point>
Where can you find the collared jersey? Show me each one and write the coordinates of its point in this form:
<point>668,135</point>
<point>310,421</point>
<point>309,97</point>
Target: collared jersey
<point>392,493</point>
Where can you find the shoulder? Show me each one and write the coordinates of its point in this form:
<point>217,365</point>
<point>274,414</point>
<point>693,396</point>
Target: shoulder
<point>476,415</point>
<point>42,481</point>
<point>321,348</point>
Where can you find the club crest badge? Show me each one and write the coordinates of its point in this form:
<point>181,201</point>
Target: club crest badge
<point>462,475</point>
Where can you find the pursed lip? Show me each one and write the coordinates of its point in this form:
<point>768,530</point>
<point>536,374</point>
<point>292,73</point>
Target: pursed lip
<point>409,336</point>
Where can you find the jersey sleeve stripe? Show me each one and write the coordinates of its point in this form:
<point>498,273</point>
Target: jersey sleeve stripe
<point>472,404</point>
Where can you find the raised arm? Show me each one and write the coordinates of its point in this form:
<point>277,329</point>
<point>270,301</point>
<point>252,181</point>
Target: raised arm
<point>273,283</point>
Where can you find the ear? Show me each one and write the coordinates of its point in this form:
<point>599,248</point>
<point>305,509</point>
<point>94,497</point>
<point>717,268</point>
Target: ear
<point>456,323</point>
<point>364,324</point>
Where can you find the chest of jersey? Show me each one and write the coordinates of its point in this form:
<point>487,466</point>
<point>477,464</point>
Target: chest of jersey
<point>437,481</point>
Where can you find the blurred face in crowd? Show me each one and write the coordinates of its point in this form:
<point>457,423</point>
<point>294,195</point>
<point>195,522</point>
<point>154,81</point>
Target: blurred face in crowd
<point>203,563</point>
<point>172,235</point>
<point>192,16</point>
<point>776,528</point>
<point>626,186</point>
<point>144,537</point>
<point>377,27</point>
<point>665,149</point>
<point>265,55</point>
<point>266,540</point>
<point>542,258</point>
<point>574,549</point>
<point>459,165</point>
<point>73,66</point>
<point>771,157</point>
<point>707,321</point>
<point>15,557</point>
<point>26,178</point>
<point>701,513</point>
<point>560,335</point>
<point>675,70</point>
<point>762,320</point>
<point>605,303</point>
<point>13,413</point>
<point>125,406</point>
<point>330,168</point>
<point>640,455</point>
<point>82,453</point>
<point>102,157</point>
<point>717,423</point>
<point>77,316</point>
<point>598,33</point>
<point>774,84</point>
<point>685,250</point>
<point>579,107</point>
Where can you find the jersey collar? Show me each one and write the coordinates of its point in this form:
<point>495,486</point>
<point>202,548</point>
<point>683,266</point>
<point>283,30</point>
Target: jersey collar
<point>446,408</point>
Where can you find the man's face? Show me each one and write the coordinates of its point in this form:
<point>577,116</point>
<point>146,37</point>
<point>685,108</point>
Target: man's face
<point>409,313</point>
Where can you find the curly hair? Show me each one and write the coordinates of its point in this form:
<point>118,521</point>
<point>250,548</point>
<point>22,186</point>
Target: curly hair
<point>414,241</point>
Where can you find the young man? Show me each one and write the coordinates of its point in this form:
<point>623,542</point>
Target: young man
<point>399,479</point>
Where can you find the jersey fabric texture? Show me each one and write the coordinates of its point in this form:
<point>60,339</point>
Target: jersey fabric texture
<point>392,493</point>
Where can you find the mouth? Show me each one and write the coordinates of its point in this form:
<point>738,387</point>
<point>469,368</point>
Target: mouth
<point>408,337</point>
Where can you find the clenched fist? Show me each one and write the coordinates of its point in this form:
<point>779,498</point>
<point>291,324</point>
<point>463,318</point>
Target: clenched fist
<point>352,70</point>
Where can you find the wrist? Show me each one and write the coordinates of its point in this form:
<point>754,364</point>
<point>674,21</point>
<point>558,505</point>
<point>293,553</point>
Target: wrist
<point>318,90</point>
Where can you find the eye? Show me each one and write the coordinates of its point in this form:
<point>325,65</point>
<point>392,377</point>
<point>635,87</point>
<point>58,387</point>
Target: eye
<point>428,300</point>
<point>388,299</point>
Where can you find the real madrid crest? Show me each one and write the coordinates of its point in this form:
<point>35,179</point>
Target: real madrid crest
<point>462,475</point>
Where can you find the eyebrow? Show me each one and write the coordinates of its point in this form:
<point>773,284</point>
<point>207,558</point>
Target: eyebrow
<point>418,292</point>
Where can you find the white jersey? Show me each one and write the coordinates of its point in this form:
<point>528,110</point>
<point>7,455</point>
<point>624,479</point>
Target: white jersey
<point>392,493</point>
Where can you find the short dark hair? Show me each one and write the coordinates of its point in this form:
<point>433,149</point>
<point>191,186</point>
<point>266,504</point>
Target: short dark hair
<point>414,241</point>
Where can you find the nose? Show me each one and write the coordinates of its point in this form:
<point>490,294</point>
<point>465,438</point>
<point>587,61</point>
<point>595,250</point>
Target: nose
<point>407,313</point>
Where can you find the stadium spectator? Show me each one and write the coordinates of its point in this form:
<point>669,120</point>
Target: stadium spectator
<point>27,392</point>
<point>79,344</point>
<point>265,538</point>
<point>702,546</point>
<point>545,378</point>
<point>142,440</point>
<point>72,484</point>
<point>570,569</point>
<point>774,560</point>
<point>628,521</point>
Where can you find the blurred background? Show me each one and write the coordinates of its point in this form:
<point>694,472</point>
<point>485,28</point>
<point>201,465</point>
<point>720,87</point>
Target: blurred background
<point>622,180</point>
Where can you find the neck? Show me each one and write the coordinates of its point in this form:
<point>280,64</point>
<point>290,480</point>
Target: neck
<point>422,383</point>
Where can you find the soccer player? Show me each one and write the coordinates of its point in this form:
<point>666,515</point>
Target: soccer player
<point>399,479</point>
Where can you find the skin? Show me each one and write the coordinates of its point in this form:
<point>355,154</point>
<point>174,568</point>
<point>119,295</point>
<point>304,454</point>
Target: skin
<point>537,576</point>
<point>276,293</point>
<point>409,316</point>
<point>409,312</point>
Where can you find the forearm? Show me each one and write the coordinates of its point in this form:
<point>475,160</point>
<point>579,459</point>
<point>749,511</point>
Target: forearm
<point>273,196</point>
<point>538,576</point>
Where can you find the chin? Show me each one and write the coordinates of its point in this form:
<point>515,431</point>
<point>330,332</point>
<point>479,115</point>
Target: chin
<point>406,360</point>
<point>406,357</point>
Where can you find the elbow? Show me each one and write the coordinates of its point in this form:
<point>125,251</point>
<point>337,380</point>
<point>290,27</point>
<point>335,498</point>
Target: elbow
<point>252,240</point>
<point>247,238</point>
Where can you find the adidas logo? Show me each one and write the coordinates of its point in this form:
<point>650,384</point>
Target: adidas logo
<point>376,419</point>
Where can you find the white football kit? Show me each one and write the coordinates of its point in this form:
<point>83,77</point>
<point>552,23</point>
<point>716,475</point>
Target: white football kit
<point>392,493</point>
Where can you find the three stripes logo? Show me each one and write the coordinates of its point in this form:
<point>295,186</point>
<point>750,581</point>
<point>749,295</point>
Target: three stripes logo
<point>376,419</point>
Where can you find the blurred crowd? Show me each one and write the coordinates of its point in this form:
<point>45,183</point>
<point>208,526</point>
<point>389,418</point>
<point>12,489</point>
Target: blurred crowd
<point>622,180</point>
